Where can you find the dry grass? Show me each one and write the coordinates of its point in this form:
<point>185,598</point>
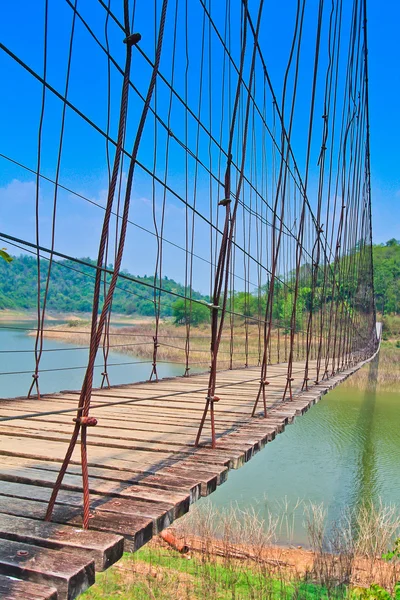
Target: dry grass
<point>138,340</point>
<point>348,553</point>
<point>232,555</point>
<point>387,372</point>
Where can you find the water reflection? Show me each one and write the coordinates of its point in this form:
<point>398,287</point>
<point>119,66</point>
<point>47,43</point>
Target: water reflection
<point>366,484</point>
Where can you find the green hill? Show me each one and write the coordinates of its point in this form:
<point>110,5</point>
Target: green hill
<point>71,288</point>
<point>387,277</point>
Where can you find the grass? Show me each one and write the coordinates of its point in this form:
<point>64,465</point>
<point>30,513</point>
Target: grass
<point>137,340</point>
<point>163,573</point>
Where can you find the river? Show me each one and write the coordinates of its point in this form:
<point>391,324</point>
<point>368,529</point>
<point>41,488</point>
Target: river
<point>62,365</point>
<point>343,452</point>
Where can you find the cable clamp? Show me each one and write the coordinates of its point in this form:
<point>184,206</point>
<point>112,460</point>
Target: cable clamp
<point>290,378</point>
<point>265,382</point>
<point>35,376</point>
<point>132,39</point>
<point>213,398</point>
<point>211,305</point>
<point>224,202</point>
<point>86,421</point>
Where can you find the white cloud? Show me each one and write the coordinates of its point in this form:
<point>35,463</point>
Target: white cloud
<point>21,192</point>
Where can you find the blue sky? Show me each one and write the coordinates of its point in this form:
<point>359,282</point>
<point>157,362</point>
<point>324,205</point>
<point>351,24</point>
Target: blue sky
<point>384,64</point>
<point>83,164</point>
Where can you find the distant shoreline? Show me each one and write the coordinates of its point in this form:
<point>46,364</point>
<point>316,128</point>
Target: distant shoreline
<point>31,315</point>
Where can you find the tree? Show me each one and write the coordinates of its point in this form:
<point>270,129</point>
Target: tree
<point>186,311</point>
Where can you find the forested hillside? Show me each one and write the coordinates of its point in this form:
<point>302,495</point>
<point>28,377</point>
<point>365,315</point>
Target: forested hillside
<point>387,277</point>
<point>71,288</point>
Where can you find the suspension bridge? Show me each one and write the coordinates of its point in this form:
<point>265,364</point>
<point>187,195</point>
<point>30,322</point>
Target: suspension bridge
<point>237,166</point>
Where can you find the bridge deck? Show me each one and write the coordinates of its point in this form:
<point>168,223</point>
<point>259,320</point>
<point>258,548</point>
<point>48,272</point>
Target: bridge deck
<point>144,469</point>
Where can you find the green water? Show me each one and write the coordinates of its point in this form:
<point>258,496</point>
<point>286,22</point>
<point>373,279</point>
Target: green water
<point>343,452</point>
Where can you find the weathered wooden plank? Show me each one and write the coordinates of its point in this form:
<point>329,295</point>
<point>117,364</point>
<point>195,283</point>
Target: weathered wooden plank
<point>75,499</point>
<point>16,589</point>
<point>142,512</point>
<point>95,439</point>
<point>137,530</point>
<point>122,421</point>
<point>104,548</point>
<point>165,478</point>
<point>123,460</point>
<point>69,574</point>
<point>105,487</point>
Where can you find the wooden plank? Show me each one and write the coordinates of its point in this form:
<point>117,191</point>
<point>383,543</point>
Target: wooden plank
<point>165,478</point>
<point>104,487</point>
<point>52,451</point>
<point>95,439</point>
<point>16,589</point>
<point>75,499</point>
<point>105,549</point>
<point>123,470</point>
<point>55,450</point>
<point>137,530</point>
<point>143,513</point>
<point>71,575</point>
<point>176,439</point>
<point>140,419</point>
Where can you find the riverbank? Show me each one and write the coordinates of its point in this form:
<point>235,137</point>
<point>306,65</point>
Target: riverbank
<point>135,337</point>
<point>387,372</point>
<point>69,318</point>
<point>214,570</point>
<point>231,554</point>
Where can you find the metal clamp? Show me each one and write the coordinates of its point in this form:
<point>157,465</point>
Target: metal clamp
<point>132,39</point>
<point>213,398</point>
<point>86,421</point>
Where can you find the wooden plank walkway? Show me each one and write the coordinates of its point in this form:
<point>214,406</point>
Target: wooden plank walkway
<point>144,469</point>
